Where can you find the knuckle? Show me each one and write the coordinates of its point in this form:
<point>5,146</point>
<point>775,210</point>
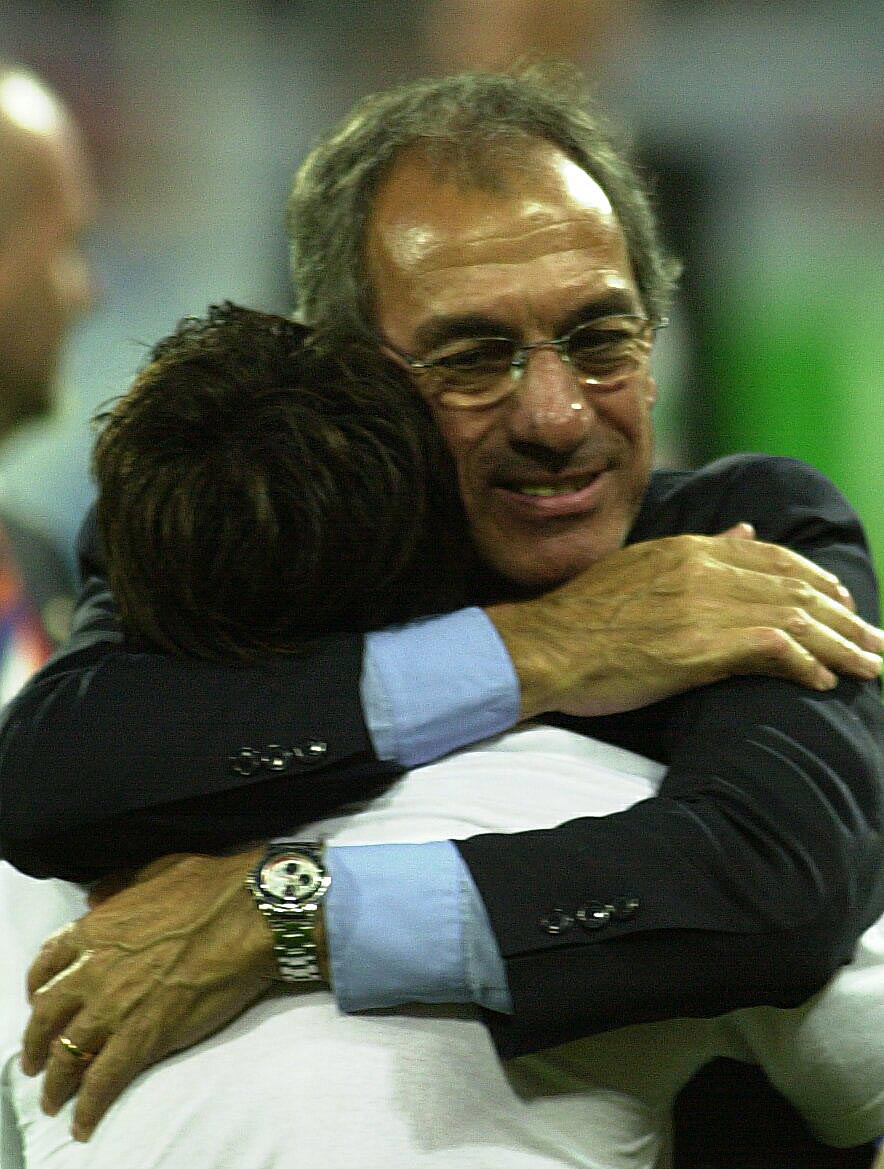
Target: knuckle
<point>797,620</point>
<point>774,643</point>
<point>802,593</point>
<point>64,932</point>
<point>683,550</point>
<point>693,577</point>
<point>782,559</point>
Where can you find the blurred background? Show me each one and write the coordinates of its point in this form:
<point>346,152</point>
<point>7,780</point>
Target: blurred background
<point>762,122</point>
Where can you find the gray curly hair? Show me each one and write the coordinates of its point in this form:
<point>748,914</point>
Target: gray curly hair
<point>473,126</point>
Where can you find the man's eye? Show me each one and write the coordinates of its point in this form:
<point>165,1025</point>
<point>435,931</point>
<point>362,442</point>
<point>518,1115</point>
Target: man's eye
<point>490,355</point>
<point>599,340</point>
<point>601,349</point>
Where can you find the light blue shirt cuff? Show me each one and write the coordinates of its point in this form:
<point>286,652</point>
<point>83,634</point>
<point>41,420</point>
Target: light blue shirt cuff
<point>436,685</point>
<point>405,923</point>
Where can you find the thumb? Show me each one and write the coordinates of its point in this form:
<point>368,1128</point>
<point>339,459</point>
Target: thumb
<point>741,531</point>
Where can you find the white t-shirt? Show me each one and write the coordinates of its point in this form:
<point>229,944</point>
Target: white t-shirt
<point>295,1081</point>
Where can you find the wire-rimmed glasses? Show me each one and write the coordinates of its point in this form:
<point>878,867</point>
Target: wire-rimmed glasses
<point>482,371</point>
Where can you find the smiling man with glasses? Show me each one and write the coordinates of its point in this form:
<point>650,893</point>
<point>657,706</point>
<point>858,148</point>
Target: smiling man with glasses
<point>541,391</point>
<point>487,234</point>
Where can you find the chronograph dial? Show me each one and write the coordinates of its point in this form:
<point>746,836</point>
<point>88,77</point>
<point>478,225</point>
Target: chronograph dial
<point>288,886</point>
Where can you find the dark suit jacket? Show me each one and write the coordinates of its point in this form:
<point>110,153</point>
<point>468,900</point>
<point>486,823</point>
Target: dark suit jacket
<point>752,873</point>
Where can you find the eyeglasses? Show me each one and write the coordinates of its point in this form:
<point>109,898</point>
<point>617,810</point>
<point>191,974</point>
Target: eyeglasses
<point>472,373</point>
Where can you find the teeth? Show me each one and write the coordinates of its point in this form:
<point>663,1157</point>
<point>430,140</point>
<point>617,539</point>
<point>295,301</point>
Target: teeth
<point>544,492</point>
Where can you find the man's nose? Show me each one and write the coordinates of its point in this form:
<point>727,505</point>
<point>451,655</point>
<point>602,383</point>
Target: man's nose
<point>549,406</point>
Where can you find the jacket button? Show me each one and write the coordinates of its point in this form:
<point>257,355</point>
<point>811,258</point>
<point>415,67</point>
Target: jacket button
<point>594,915</point>
<point>245,761</point>
<point>556,921</point>
<point>276,758</point>
<point>313,751</point>
<point>625,907</point>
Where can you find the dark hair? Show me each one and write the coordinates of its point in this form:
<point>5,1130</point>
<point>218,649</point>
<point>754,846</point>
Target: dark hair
<point>477,125</point>
<point>256,492</point>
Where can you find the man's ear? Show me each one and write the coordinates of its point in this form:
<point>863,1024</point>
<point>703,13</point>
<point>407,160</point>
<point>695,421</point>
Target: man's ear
<point>650,391</point>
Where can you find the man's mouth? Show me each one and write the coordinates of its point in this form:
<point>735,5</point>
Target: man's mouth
<point>546,487</point>
<point>556,496</point>
<point>546,491</point>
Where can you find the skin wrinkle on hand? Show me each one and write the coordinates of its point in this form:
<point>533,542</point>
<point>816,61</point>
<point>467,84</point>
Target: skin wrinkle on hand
<point>148,940</point>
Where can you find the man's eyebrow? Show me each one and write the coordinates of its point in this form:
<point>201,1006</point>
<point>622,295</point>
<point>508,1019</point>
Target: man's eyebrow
<point>463,326</point>
<point>440,330</point>
<point>612,304</point>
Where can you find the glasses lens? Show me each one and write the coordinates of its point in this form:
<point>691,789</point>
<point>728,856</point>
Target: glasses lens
<point>474,376</point>
<point>606,350</point>
<point>476,364</point>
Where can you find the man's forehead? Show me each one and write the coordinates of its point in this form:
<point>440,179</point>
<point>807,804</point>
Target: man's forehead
<point>530,253</point>
<point>421,214</point>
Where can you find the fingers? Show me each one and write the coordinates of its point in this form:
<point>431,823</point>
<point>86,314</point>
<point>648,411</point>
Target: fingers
<point>784,564</point>
<point>69,1061</point>
<point>798,597</point>
<point>56,954</point>
<point>114,1068</point>
<point>93,1067</point>
<point>49,1017</point>
<point>862,642</point>
<point>771,651</point>
<point>809,640</point>
<point>798,650</point>
<point>779,655</point>
<point>829,647</point>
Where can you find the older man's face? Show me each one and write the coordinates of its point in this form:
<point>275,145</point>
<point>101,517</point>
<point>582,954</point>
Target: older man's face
<point>553,474</point>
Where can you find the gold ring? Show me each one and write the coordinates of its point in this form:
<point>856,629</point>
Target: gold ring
<point>77,1052</point>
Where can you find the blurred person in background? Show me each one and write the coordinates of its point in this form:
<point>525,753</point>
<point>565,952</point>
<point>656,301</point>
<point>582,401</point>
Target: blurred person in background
<point>560,990</point>
<point>47,203</point>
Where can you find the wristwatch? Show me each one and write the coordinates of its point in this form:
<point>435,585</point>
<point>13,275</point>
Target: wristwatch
<point>288,885</point>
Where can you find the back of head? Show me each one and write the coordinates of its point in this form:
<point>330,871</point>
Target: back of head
<point>475,126</point>
<point>256,492</point>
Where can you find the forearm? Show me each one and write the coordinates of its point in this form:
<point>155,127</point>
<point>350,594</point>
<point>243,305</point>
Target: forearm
<point>113,757</point>
<point>127,755</point>
<point>755,870</point>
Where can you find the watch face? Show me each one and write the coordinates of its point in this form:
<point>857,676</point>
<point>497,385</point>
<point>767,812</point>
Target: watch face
<point>292,876</point>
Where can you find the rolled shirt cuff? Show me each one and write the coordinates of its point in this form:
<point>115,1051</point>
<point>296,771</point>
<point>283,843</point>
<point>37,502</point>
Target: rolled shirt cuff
<point>404,923</point>
<point>436,685</point>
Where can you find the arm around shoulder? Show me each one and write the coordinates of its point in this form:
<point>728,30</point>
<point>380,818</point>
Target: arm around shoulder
<point>144,743</point>
<point>750,876</point>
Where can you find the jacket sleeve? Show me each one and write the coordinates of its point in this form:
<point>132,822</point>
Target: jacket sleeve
<point>748,879</point>
<point>112,756</point>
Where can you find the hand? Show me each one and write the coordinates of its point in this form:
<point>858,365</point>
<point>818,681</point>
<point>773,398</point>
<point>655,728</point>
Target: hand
<point>152,969</point>
<point>668,615</point>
